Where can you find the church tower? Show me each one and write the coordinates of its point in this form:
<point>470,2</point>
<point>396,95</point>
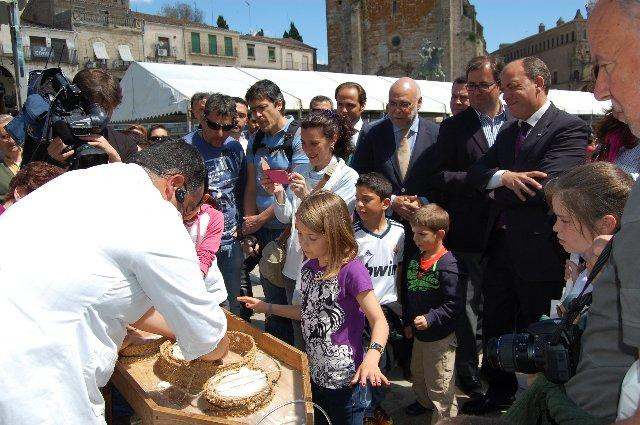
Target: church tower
<point>384,37</point>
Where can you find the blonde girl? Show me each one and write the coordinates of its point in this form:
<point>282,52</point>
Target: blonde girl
<point>337,294</point>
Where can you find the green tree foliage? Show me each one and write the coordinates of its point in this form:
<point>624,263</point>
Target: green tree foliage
<point>183,11</point>
<point>221,23</point>
<point>260,33</point>
<point>292,33</point>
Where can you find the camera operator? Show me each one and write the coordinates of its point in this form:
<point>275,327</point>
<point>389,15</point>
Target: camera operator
<point>89,272</point>
<point>97,86</point>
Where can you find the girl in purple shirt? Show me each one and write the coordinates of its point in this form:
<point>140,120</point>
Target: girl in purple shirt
<point>337,293</point>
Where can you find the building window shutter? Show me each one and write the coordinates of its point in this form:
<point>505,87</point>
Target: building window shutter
<point>213,45</point>
<point>228,46</point>
<point>195,42</point>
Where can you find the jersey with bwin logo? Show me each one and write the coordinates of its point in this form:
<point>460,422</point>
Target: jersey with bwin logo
<point>381,254</point>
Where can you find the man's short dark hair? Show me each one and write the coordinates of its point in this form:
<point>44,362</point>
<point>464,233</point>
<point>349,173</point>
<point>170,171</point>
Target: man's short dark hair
<point>265,89</point>
<point>377,183</point>
<point>362,94</point>
<point>460,80</point>
<point>237,99</point>
<point>320,98</point>
<point>155,127</point>
<point>174,156</point>
<point>98,86</point>
<point>197,97</point>
<point>535,67</point>
<point>495,63</point>
<point>220,104</point>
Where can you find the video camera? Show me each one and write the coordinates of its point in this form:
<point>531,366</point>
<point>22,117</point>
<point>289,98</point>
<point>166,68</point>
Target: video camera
<point>55,108</point>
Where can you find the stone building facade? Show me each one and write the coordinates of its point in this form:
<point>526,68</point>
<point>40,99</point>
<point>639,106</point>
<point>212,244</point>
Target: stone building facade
<point>276,53</point>
<point>385,37</point>
<point>563,48</point>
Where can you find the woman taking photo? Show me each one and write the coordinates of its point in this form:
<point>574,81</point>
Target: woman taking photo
<point>326,140</point>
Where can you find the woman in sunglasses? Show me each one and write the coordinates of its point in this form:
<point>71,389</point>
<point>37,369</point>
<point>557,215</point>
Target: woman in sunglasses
<point>157,133</point>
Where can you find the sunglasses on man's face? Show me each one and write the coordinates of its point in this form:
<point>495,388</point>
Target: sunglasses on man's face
<point>217,126</point>
<point>156,139</point>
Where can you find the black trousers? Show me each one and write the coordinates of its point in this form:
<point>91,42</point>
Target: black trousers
<point>467,326</point>
<point>511,304</point>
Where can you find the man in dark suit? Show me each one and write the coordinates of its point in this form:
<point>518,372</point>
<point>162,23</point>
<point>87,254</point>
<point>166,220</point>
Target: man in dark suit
<point>351,99</point>
<point>525,261</point>
<point>399,147</point>
<point>462,140</point>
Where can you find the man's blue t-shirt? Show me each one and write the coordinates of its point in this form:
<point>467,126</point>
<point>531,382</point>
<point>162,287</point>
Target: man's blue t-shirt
<point>227,178</point>
<point>276,160</point>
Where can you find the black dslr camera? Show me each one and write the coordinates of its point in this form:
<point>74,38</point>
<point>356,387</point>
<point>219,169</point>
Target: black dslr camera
<point>55,108</point>
<point>549,346</point>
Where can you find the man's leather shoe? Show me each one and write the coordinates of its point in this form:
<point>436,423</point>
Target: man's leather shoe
<point>483,405</point>
<point>415,409</point>
<point>470,385</point>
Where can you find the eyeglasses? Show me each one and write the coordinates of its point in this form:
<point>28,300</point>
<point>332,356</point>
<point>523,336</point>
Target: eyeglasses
<point>156,139</point>
<point>401,105</point>
<point>480,86</point>
<point>217,126</point>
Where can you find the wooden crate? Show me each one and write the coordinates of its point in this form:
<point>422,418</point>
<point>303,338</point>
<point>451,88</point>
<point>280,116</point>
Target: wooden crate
<point>138,384</point>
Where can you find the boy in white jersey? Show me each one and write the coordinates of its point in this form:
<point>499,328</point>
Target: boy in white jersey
<point>380,248</point>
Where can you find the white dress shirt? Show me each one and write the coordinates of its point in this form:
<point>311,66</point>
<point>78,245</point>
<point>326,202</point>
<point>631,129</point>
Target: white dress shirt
<point>85,255</point>
<point>357,127</point>
<point>496,179</point>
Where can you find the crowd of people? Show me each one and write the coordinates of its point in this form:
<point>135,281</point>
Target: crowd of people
<point>393,242</point>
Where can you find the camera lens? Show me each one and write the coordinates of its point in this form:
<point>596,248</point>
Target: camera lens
<point>512,353</point>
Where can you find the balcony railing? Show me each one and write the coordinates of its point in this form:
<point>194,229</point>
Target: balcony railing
<point>106,19</point>
<point>44,53</point>
<point>204,50</point>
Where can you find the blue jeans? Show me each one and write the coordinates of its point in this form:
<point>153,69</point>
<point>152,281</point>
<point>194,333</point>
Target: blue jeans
<point>230,263</point>
<point>298,339</point>
<point>345,406</point>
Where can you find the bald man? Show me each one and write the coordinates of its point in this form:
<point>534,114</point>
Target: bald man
<point>398,147</point>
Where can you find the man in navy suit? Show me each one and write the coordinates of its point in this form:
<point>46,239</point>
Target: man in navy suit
<point>525,266</point>
<point>399,147</point>
<point>462,140</point>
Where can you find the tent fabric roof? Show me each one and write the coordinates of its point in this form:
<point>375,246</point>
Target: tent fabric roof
<point>155,89</point>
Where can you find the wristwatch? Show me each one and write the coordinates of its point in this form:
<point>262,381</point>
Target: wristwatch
<point>375,346</point>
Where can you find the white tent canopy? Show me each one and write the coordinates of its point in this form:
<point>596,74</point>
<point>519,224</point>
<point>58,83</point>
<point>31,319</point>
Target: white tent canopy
<point>154,89</point>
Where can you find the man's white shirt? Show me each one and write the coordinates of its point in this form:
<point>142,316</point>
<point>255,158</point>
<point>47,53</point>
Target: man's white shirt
<point>84,256</point>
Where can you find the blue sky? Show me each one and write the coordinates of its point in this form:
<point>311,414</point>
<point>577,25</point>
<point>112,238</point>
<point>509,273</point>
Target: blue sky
<point>503,20</point>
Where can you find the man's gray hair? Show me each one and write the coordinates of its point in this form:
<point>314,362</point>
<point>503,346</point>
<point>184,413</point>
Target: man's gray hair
<point>174,156</point>
<point>535,67</point>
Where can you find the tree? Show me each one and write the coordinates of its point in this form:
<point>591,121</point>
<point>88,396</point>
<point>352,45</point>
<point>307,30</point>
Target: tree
<point>260,33</point>
<point>221,23</point>
<point>183,11</point>
<point>292,33</point>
